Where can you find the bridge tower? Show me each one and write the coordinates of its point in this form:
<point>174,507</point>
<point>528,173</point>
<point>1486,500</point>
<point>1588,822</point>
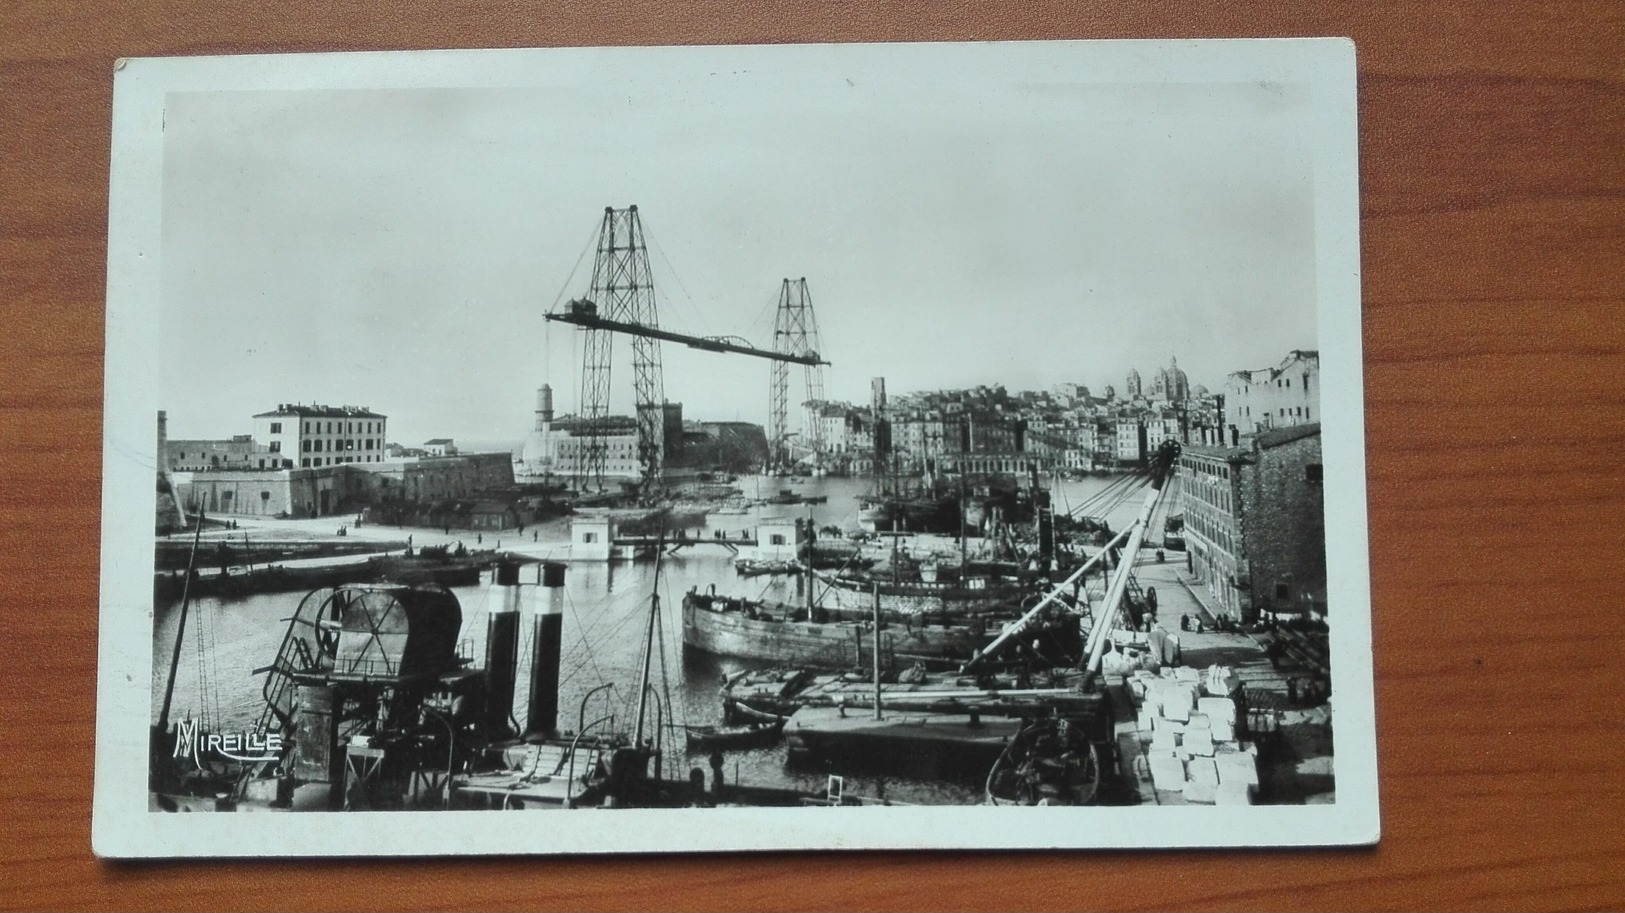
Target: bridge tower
<point>622,290</point>
<point>795,332</point>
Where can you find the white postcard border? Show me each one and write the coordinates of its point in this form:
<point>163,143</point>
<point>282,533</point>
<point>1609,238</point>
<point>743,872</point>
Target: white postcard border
<point>123,826</point>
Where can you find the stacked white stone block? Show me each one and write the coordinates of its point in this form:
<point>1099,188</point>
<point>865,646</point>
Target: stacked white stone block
<point>1188,721</point>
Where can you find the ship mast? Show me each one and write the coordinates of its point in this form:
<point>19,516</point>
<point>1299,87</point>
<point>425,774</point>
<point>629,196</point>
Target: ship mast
<point>649,639</point>
<point>180,626</point>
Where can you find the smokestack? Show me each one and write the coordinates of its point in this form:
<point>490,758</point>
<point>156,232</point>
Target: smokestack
<point>502,650</point>
<point>544,407</point>
<point>543,719</point>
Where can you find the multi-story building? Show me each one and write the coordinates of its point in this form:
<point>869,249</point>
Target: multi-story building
<point>561,446</point>
<point>1255,523</point>
<point>342,488</point>
<point>310,437</point>
<point>564,447</point>
<point>1128,438</point>
<point>1162,425</point>
<point>1278,397</point>
<point>835,420</point>
<point>1209,494</point>
<point>241,451</point>
<point>1284,519</point>
<point>1082,436</point>
<point>245,476</point>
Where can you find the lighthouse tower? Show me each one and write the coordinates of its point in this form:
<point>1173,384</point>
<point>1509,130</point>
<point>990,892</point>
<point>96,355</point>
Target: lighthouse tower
<point>540,452</point>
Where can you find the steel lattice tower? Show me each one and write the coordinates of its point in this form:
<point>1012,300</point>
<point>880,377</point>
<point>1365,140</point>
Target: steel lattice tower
<point>795,332</point>
<point>623,290</point>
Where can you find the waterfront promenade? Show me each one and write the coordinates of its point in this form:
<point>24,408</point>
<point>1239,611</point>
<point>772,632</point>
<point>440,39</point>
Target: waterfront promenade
<point>546,540</point>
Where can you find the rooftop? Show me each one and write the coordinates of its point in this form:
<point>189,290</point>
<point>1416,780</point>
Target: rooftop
<point>1275,437</point>
<point>319,411</point>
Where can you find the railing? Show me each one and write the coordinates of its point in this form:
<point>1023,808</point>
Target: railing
<point>570,780</point>
<point>581,716</point>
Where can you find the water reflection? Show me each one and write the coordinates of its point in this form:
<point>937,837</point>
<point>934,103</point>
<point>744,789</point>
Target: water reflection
<point>606,612</point>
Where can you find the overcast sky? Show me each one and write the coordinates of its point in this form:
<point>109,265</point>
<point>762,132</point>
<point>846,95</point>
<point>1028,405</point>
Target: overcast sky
<point>398,249</point>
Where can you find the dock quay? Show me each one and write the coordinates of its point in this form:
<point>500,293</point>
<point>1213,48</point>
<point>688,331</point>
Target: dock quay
<point>547,776</point>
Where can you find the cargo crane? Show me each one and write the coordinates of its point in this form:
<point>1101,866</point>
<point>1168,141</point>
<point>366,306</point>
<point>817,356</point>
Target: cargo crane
<point>623,301</point>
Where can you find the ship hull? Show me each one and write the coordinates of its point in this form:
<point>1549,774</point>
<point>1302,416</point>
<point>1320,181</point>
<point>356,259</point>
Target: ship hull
<point>846,597</point>
<point>835,645</point>
<point>893,515</point>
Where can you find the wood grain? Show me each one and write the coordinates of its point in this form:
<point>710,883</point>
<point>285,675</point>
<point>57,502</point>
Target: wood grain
<point>1493,222</point>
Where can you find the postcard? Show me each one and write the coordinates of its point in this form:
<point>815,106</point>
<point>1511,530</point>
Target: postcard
<point>735,449</point>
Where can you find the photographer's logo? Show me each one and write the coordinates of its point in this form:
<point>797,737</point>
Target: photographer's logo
<point>192,742</point>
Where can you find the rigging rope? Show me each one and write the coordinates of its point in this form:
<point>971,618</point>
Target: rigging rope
<point>1112,495</point>
<point>756,322</point>
<point>581,637</point>
<point>650,241</point>
<point>591,240</point>
<point>202,672</point>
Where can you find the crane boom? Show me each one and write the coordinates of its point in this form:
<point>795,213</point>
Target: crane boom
<point>582,315</point>
<point>1162,467</point>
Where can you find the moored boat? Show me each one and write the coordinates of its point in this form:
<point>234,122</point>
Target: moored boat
<point>1049,762</point>
<point>970,595</point>
<point>754,734</point>
<point>726,626</point>
<point>756,567</point>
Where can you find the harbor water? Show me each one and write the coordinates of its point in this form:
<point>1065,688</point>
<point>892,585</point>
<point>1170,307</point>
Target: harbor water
<point>607,608</point>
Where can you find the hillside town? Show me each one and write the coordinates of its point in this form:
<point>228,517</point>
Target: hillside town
<point>1251,450</point>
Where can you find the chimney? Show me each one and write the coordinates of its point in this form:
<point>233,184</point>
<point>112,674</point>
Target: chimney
<point>502,650</point>
<point>542,720</point>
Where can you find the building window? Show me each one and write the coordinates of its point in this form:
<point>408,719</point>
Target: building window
<point>588,538</point>
<point>276,427</point>
<point>1314,472</point>
<point>276,446</point>
<point>1283,591</point>
<point>304,445</point>
<point>305,462</point>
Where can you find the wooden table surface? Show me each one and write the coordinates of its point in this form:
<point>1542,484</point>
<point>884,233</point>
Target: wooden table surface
<point>1493,222</point>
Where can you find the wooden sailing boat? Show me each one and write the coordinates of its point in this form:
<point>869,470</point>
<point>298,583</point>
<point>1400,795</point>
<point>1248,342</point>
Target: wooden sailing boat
<point>180,776</point>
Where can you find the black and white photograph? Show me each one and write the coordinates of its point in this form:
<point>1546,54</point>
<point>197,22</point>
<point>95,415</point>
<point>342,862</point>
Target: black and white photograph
<point>735,448</point>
